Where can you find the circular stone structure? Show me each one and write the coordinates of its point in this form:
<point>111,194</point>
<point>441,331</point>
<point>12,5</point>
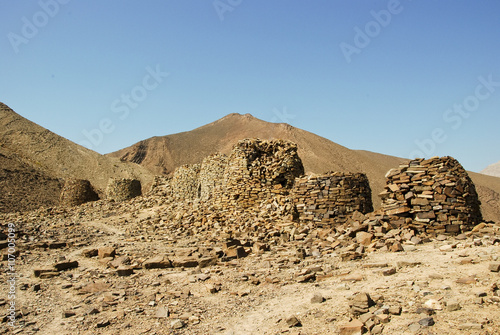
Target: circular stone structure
<point>76,192</point>
<point>123,189</point>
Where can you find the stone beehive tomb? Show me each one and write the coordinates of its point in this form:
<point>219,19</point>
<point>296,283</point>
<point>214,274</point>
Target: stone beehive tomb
<point>211,178</point>
<point>257,170</point>
<point>123,189</point>
<point>254,171</point>
<point>436,195</point>
<point>185,183</point>
<point>330,198</point>
<point>76,192</point>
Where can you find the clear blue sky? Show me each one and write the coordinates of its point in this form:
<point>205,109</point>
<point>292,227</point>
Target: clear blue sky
<point>396,77</point>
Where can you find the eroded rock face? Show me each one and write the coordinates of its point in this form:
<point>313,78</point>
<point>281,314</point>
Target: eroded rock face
<point>437,195</point>
<point>76,192</point>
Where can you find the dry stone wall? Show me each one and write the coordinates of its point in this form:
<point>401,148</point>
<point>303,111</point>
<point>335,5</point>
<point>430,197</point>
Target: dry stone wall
<point>212,176</point>
<point>185,182</point>
<point>122,189</point>
<point>260,173</point>
<point>330,198</point>
<point>258,170</point>
<point>434,196</point>
<point>76,192</point>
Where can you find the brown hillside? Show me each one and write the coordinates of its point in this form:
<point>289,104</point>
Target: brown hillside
<point>31,148</point>
<point>164,154</point>
<point>23,187</point>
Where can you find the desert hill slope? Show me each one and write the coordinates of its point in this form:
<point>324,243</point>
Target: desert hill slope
<point>165,153</point>
<point>27,148</point>
<point>492,170</point>
<point>23,187</point>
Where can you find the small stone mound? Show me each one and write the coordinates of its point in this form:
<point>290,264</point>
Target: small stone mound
<point>76,192</point>
<point>123,189</point>
<point>436,195</point>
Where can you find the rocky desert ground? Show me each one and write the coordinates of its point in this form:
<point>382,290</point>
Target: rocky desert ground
<point>154,266</point>
<point>248,241</point>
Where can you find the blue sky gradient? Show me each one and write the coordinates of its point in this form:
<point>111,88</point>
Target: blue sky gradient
<point>424,78</point>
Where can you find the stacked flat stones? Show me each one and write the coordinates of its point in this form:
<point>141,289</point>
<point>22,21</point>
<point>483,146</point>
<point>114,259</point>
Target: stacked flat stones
<point>123,189</point>
<point>76,192</point>
<point>332,197</point>
<point>258,170</point>
<point>185,183</point>
<point>434,196</point>
<point>211,177</point>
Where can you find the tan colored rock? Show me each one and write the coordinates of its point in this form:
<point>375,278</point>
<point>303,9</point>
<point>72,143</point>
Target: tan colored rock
<point>76,192</point>
<point>355,327</point>
<point>105,252</point>
<point>157,262</point>
<point>364,238</point>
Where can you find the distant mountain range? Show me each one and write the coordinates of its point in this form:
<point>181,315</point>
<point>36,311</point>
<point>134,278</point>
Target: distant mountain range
<point>34,161</point>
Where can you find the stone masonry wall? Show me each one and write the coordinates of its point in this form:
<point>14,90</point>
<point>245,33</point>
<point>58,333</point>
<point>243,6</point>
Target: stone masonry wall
<point>185,183</point>
<point>257,170</point>
<point>76,192</point>
<point>122,189</point>
<point>330,198</point>
<point>211,177</point>
<point>434,195</point>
